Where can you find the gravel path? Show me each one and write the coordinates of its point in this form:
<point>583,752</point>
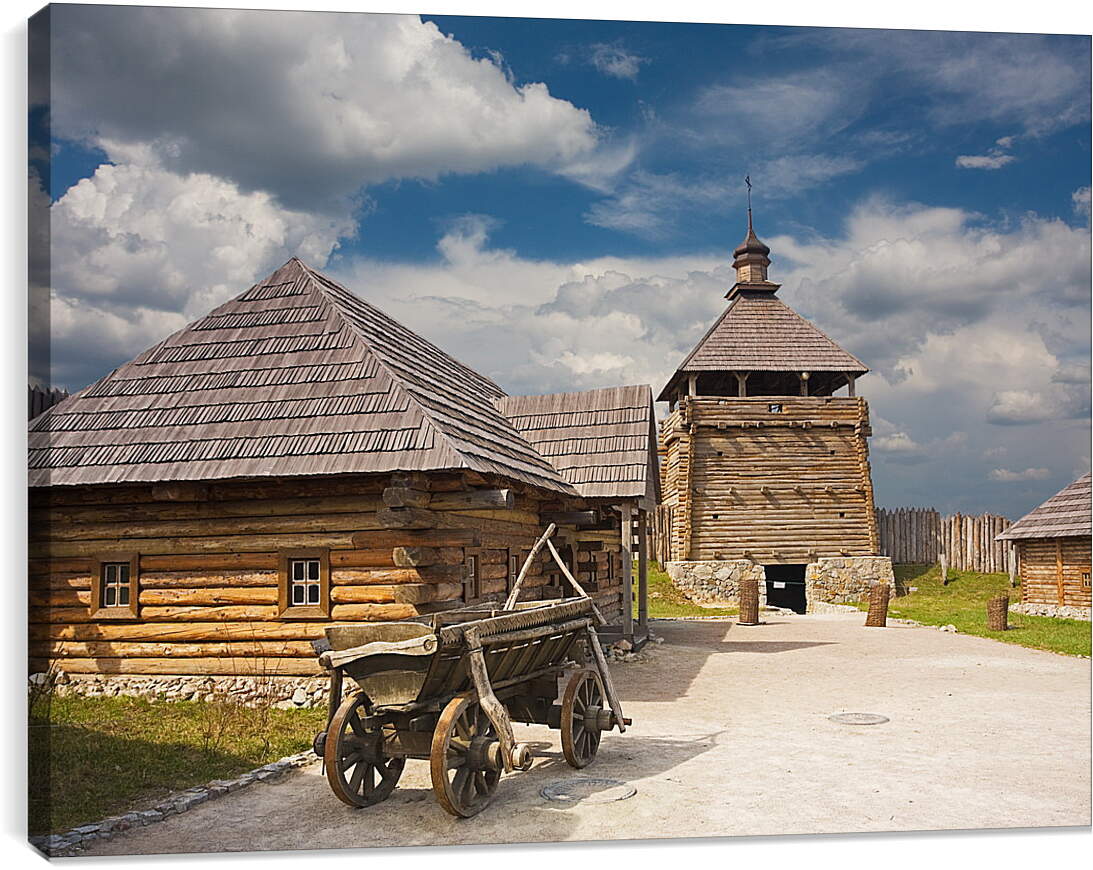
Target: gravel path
<point>731,736</point>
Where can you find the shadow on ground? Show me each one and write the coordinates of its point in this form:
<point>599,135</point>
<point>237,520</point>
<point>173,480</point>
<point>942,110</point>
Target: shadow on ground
<point>690,643</point>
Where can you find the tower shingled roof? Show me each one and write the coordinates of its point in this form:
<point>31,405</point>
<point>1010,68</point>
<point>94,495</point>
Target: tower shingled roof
<point>758,332</point>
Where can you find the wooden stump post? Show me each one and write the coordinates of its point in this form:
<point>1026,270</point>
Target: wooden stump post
<point>998,612</point>
<point>748,598</point>
<point>944,569</point>
<point>878,606</point>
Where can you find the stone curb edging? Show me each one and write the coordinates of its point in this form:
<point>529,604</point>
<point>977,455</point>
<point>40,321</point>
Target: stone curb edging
<point>71,841</point>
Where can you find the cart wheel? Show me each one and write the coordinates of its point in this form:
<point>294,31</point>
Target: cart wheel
<point>354,756</point>
<point>581,706</point>
<point>464,780</point>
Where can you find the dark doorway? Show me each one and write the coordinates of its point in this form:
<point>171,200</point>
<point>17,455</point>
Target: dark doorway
<point>786,586</point>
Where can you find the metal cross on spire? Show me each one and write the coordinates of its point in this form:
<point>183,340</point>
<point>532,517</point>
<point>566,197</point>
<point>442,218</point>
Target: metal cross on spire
<point>747,181</point>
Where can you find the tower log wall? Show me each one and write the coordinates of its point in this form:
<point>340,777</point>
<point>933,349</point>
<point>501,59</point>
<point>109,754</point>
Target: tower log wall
<point>776,487</point>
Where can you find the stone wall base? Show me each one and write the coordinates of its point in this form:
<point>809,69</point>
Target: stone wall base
<point>1060,611</point>
<point>718,581</point>
<point>280,692</point>
<point>846,579</point>
<point>831,580</point>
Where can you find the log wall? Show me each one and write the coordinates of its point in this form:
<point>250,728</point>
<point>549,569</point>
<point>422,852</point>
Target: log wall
<point>208,559</point>
<point>789,486</point>
<point>1054,571</point>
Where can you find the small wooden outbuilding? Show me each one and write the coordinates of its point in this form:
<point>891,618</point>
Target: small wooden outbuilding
<point>297,457</point>
<point>1052,544</point>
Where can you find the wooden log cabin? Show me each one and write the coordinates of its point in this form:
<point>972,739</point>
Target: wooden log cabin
<point>765,470</point>
<point>1052,548</point>
<point>297,458</point>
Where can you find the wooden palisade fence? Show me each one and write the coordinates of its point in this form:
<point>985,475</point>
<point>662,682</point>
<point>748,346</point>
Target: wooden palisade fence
<point>921,535</point>
<point>908,535</point>
<point>40,398</point>
<point>660,530</point>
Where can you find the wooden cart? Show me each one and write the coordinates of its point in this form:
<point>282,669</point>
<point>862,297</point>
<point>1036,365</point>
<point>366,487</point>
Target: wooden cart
<point>448,690</point>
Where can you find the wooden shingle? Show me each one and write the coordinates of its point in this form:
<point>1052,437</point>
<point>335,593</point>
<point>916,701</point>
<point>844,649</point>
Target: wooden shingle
<point>758,332</point>
<point>296,376</point>
<point>602,441</point>
<point>1066,514</point>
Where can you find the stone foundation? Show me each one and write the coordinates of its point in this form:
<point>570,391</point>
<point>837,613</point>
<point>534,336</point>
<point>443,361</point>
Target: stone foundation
<point>281,692</point>
<point>707,582</point>
<point>1060,611</point>
<point>832,580</point>
<point>846,579</point>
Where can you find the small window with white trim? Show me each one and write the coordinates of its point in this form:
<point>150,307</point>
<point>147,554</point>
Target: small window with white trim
<point>115,584</point>
<point>305,582</point>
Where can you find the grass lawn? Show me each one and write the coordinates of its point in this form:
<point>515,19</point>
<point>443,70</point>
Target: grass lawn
<point>107,756</point>
<point>666,601</point>
<point>962,602</point>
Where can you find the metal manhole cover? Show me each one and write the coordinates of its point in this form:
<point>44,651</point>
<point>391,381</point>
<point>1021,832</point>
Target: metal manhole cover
<point>588,790</point>
<point>859,718</point>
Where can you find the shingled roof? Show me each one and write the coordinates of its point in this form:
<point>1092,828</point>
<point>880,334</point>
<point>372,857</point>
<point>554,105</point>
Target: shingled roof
<point>296,376</point>
<point>601,441</point>
<point>1066,514</point>
<point>758,332</point>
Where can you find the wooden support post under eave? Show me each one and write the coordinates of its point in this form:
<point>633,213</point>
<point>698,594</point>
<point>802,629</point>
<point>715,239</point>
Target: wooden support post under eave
<point>742,384</point>
<point>627,540</point>
<point>692,385</point>
<point>850,379</point>
<point>643,568</point>
<point>1013,565</point>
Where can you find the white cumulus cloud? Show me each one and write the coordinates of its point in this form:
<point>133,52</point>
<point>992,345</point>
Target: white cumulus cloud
<point>139,250</point>
<point>305,105</point>
<point>1007,476</point>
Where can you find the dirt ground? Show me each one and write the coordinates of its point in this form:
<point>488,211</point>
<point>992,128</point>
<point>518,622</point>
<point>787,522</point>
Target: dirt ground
<point>731,736</point>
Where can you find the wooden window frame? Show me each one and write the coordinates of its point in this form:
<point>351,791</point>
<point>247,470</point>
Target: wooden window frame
<point>515,563</point>
<point>474,592</point>
<point>285,607</point>
<point>98,567</point>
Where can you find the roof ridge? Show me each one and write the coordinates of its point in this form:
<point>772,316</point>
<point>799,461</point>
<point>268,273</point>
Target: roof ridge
<point>326,286</point>
<point>396,382</point>
<point>321,281</point>
<point>709,332</point>
<point>817,329</point>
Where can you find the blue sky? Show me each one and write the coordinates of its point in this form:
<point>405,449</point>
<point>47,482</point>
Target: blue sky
<point>544,216</point>
<point>577,187</point>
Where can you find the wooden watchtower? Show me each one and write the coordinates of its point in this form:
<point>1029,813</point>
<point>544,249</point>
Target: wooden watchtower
<point>763,464</point>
